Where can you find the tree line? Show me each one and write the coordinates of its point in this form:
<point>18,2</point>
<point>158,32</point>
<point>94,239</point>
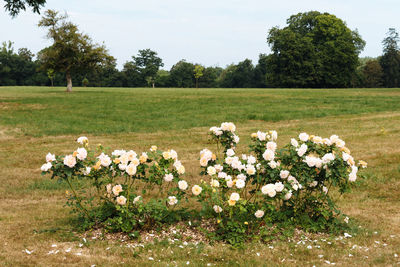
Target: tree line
<point>314,50</point>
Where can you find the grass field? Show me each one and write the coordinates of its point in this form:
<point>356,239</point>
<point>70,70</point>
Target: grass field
<point>36,120</point>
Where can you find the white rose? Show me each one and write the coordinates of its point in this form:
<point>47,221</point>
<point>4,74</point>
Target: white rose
<point>230,152</point>
<point>173,154</point>
<point>284,174</point>
<point>251,160</point>
<point>122,167</point>
<point>279,187</point>
<point>217,209</point>
<point>211,170</point>
<point>294,142</point>
<point>183,185</point>
<point>261,136</point>
<point>214,183</point>
<point>124,159</point>
<point>228,160</point>
<point>50,157</point>
<point>274,135</point>
<point>222,175</point>
<point>168,177</point>
<point>87,171</point>
<point>272,164</point>
<point>288,195</point>
<point>83,139</point>
<point>303,137</point>
<point>70,161</point>
<point>196,190</point>
<point>311,161</point>
<point>240,183</point>
<point>340,143</point>
<point>234,196</point>
<point>131,169</point>
<point>334,138</point>
<point>236,139</point>
<point>241,177</point>
<point>269,190</point>
<point>269,155</point>
<point>203,161</point>
<point>328,158</point>
<point>271,145</point>
<point>250,170</point>
<point>218,167</point>
<point>325,189</point>
<point>314,184</point>
<point>229,183</point>
<point>117,189</point>
<point>302,150</point>
<point>109,188</point>
<point>45,167</point>
<point>259,213</point>
<point>131,155</point>
<point>82,153</point>
<point>136,199</point>
<point>121,200</point>
<point>172,200</point>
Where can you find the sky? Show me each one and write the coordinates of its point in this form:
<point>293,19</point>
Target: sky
<point>207,32</point>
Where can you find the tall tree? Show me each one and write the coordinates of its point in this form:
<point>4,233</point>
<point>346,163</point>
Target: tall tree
<point>71,51</point>
<point>198,73</point>
<point>15,6</point>
<point>238,76</point>
<point>260,71</point>
<point>373,74</point>
<point>314,50</point>
<point>148,64</point>
<point>390,60</point>
<point>181,74</point>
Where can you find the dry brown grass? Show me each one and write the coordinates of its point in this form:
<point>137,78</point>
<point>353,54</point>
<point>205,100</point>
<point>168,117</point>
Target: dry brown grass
<point>32,215</point>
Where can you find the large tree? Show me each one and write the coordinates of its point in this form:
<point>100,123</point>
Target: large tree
<point>72,51</point>
<point>314,50</point>
<point>15,6</point>
<point>147,63</point>
<point>390,60</point>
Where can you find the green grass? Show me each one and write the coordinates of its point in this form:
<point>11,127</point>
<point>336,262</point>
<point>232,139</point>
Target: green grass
<point>36,120</point>
<point>37,111</point>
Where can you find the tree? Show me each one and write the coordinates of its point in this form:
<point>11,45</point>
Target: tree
<point>314,50</point>
<point>71,51</point>
<point>238,76</point>
<point>198,73</point>
<point>148,63</point>
<point>260,71</point>
<point>181,74</point>
<point>373,74</point>
<point>15,6</point>
<point>390,60</point>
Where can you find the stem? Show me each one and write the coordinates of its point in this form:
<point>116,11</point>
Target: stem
<point>78,199</point>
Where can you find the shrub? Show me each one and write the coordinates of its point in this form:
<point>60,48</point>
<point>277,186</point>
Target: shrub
<point>245,195</point>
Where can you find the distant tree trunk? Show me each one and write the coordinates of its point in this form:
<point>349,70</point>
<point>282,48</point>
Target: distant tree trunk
<point>69,81</point>
<point>197,82</point>
<point>153,84</point>
<point>52,82</point>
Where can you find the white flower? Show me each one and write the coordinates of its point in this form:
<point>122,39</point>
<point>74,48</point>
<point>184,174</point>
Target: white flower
<point>131,169</point>
<point>271,145</point>
<point>311,161</point>
<point>345,156</point>
<point>218,167</point>
<point>272,164</point>
<point>302,150</point>
<point>346,220</point>
<point>274,135</point>
<point>294,142</point>
<point>241,177</point>
<point>229,183</point>
<point>180,169</point>
<point>118,152</point>
<point>236,139</point>
<point>136,199</point>
<point>131,155</point>
<point>340,143</point>
<point>45,167</point>
<point>334,138</point>
<point>135,161</point>
<point>217,209</point>
<point>284,174</point>
<point>117,189</point>
<point>82,153</point>
<point>230,152</point>
<point>203,161</point>
<point>105,160</point>
<point>50,157</point>
<point>328,158</point>
<point>87,170</point>
<point>228,160</point>
<point>325,189</point>
<point>228,126</point>
<point>166,155</point>
<point>234,196</point>
<point>83,139</point>
<point>317,139</point>
<point>214,183</point>
<point>211,170</point>
<point>70,161</point>
<point>222,175</point>
<point>288,195</point>
<point>183,185</point>
<point>153,148</point>
<point>168,177</point>
<point>121,200</point>
<point>259,213</point>
<point>122,167</point>
<point>269,155</point>
<point>250,170</point>
<point>279,187</point>
<point>353,176</point>
<point>196,190</point>
<point>261,136</point>
<point>124,159</point>
<point>173,154</point>
<point>251,160</point>
<point>240,183</point>
<point>172,200</point>
<point>313,184</point>
<point>303,137</point>
<point>269,190</point>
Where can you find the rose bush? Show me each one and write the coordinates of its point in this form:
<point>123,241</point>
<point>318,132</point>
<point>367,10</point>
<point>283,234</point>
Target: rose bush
<point>245,195</point>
